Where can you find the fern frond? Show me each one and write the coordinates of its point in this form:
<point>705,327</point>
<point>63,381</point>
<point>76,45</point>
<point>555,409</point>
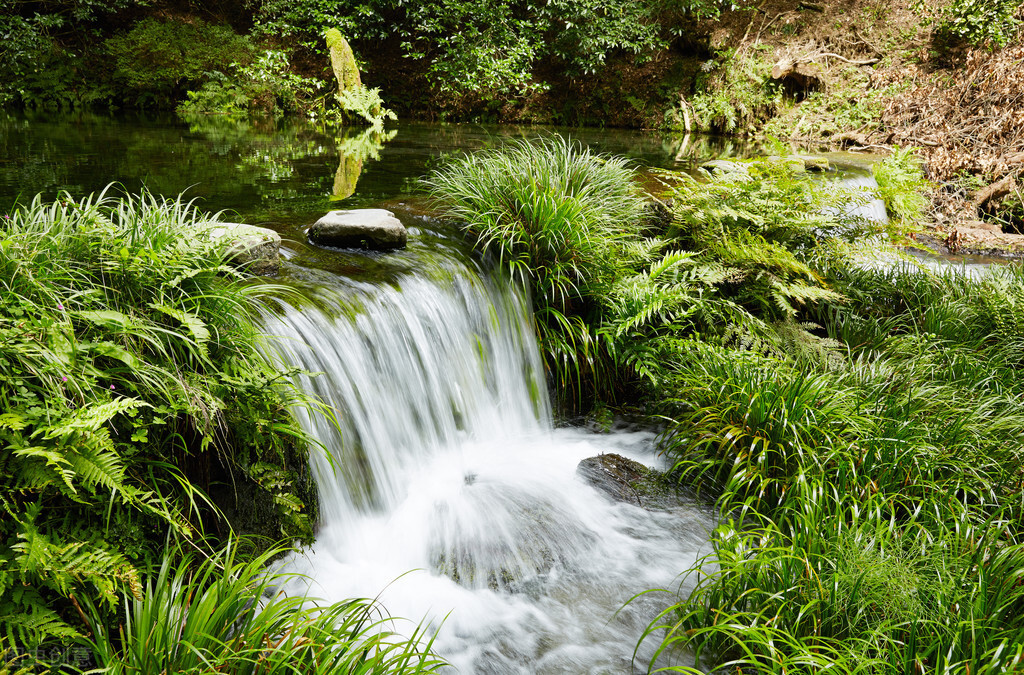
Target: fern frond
<point>54,469</point>
<point>97,463</point>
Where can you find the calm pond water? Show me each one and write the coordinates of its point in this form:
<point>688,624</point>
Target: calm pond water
<point>284,171</point>
<point>283,174</point>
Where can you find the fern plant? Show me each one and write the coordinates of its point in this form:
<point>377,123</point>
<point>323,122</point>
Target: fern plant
<point>129,376</point>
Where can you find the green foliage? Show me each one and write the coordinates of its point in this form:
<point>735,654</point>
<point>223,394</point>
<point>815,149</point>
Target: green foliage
<point>735,93</point>
<point>878,497</point>
<point>228,616</point>
<point>265,86</point>
<point>978,22</point>
<point>159,59</point>
<point>614,296</point>
<point>847,103</point>
<point>902,186</point>
<point>749,219</point>
<point>367,105</point>
<point>490,49</point>
<point>130,384</point>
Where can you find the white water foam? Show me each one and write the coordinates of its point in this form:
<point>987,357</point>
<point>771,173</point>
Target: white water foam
<point>454,498</point>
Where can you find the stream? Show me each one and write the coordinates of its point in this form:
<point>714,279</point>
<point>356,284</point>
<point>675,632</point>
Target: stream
<point>456,500</point>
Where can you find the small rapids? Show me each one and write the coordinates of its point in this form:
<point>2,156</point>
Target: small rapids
<point>874,208</point>
<point>453,498</point>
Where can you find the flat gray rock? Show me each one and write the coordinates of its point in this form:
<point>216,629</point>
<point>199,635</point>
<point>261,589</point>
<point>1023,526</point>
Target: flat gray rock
<point>253,249</point>
<point>374,229</point>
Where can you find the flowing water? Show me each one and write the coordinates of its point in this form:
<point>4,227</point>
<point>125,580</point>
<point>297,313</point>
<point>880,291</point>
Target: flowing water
<point>448,465</point>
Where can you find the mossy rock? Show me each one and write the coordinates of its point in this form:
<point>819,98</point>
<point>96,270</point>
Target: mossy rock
<point>625,480</point>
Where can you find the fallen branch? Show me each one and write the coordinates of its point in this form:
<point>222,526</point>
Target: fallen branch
<point>865,62</point>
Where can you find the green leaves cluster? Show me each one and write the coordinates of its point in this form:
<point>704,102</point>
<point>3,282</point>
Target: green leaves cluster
<point>734,93</point>
<point>616,286</point>
<point>902,185</point>
<point>870,508</point>
<point>979,22</point>
<point>264,85</point>
<point>131,385</point>
<point>159,59</point>
<point>490,48</point>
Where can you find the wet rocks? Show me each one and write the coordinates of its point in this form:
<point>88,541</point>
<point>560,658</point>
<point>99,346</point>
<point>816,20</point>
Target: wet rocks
<point>374,229</point>
<point>625,480</point>
<point>253,249</point>
<point>727,167</point>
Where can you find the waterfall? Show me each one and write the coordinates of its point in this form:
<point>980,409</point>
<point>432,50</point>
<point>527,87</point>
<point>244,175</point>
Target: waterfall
<point>874,209</point>
<point>454,499</point>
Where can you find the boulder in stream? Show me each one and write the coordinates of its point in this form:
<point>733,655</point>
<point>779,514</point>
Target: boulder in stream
<point>625,480</point>
<point>253,249</point>
<point>375,229</point>
<point>719,167</point>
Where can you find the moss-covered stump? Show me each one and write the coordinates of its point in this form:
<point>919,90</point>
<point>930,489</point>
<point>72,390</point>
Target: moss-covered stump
<point>343,61</point>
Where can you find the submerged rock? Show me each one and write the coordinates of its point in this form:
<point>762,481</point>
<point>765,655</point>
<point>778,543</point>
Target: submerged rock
<point>626,480</point>
<point>375,229</point>
<point>256,250</point>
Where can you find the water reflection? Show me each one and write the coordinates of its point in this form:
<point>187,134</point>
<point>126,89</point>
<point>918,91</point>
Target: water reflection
<point>276,170</point>
<point>355,147</point>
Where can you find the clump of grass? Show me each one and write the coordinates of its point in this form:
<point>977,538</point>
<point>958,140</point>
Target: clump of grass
<point>557,218</point>
<point>226,615</point>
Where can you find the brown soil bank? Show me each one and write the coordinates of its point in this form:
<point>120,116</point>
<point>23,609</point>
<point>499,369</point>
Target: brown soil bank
<point>874,75</point>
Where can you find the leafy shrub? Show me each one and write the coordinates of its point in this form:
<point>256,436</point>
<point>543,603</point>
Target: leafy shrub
<point>749,220</point>
<point>158,59</point>
<point>978,22</point>
<point>488,47</point>
<point>264,86</point>
<point>735,93</point>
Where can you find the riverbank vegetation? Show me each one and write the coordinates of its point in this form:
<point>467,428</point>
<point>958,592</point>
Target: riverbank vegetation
<point>862,74</point>
<point>856,424</point>
<point>144,430</point>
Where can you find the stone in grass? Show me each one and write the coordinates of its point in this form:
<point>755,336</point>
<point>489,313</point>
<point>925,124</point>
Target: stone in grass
<point>374,229</point>
<point>253,249</point>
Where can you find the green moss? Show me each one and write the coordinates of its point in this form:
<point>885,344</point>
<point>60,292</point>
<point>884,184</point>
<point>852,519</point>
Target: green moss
<point>343,61</point>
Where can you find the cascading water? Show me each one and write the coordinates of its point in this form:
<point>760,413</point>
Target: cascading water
<point>454,499</point>
<point>874,207</point>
